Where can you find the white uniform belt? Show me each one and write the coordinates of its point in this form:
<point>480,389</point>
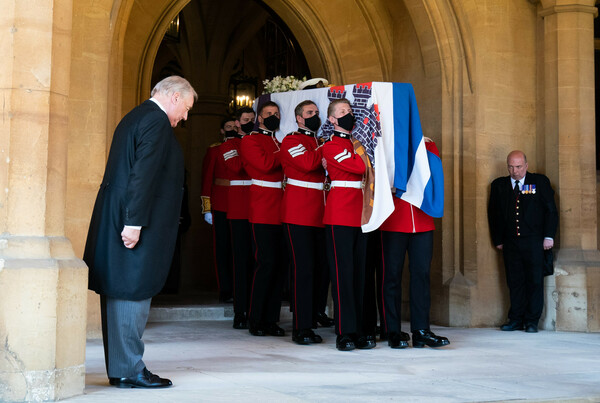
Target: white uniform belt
<point>266,184</point>
<point>305,184</point>
<point>240,183</point>
<point>347,184</point>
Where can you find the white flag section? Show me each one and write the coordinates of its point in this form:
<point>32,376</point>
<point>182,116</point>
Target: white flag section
<point>383,202</point>
<point>287,102</point>
<point>388,126</point>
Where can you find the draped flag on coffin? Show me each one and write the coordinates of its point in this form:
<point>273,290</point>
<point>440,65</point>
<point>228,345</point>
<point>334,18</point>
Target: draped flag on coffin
<point>389,128</point>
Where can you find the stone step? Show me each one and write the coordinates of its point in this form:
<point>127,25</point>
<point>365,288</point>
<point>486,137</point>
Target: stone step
<point>182,313</point>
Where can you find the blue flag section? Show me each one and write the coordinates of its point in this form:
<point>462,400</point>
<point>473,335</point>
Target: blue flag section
<point>418,174</point>
<point>389,128</point>
<point>433,194</point>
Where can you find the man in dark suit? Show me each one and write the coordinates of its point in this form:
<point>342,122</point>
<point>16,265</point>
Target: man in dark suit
<point>134,225</point>
<point>523,221</point>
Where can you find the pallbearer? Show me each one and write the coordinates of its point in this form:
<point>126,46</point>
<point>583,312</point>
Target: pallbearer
<point>237,215</point>
<point>408,231</point>
<point>345,242</point>
<point>302,214</point>
<point>215,188</point>
<point>260,153</point>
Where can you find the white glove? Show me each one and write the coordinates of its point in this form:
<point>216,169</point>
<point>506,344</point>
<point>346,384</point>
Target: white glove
<point>208,218</point>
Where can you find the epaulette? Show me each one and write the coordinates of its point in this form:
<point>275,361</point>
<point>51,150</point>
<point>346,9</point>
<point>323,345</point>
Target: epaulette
<point>216,144</point>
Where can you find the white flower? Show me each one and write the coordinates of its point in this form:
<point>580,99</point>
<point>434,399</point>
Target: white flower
<point>281,84</point>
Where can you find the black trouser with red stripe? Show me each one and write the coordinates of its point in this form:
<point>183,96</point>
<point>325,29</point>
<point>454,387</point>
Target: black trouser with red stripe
<point>243,264</point>
<point>321,284</point>
<point>320,276</point>
<point>373,305</point>
<point>394,247</point>
<point>269,275</point>
<point>222,254</point>
<point>303,245</point>
<point>346,254</point>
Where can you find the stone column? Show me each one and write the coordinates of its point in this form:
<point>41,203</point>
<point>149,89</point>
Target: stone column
<point>42,284</point>
<point>570,160</point>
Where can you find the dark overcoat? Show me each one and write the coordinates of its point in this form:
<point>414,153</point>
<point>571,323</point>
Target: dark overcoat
<point>538,210</point>
<point>142,185</point>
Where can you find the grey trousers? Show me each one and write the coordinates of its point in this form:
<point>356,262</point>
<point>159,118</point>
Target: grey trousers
<point>123,324</point>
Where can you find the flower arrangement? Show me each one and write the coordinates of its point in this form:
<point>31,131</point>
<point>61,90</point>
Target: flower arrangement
<point>282,84</point>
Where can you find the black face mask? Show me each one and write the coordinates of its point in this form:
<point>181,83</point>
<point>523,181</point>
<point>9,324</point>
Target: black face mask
<point>247,127</point>
<point>271,123</point>
<point>346,122</point>
<point>313,123</point>
<point>231,133</point>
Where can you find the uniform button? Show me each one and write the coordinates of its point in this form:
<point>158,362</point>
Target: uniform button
<point>517,213</point>
<point>518,234</point>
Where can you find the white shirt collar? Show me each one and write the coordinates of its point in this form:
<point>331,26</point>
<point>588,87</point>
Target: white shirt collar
<point>521,181</point>
<point>159,104</point>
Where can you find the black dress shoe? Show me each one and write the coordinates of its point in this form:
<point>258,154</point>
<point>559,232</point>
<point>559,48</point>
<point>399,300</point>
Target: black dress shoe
<point>256,330</point>
<point>273,330</point>
<point>512,325</point>
<point>323,320</point>
<point>344,343</point>
<point>239,321</point>
<point>531,328</point>
<point>365,342</point>
<point>314,338</point>
<point>144,379</point>
<point>301,337</point>
<point>398,340</point>
<point>427,337</point>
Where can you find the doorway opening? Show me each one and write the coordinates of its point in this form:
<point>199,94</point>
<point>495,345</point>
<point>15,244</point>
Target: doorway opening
<point>226,56</point>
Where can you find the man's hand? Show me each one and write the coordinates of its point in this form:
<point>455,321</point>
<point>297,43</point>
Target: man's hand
<point>548,244</point>
<point>208,218</point>
<point>499,247</point>
<point>130,237</point>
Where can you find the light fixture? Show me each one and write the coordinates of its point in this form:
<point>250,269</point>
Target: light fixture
<point>242,89</point>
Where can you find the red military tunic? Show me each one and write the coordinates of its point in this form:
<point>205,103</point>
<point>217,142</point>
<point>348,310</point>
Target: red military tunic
<point>215,186</point>
<point>344,204</point>
<point>406,217</point>
<point>237,206</point>
<point>301,161</point>
<point>260,153</point>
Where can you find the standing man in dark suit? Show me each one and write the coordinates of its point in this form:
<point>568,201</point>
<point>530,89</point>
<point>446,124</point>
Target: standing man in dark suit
<point>523,221</point>
<point>134,225</point>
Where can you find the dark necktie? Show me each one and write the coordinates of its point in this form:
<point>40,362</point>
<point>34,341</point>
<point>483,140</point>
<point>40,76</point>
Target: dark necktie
<point>516,189</point>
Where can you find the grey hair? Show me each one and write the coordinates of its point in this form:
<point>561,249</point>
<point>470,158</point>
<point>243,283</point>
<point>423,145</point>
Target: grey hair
<point>173,84</point>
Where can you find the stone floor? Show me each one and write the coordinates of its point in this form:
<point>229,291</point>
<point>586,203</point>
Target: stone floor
<point>209,361</point>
